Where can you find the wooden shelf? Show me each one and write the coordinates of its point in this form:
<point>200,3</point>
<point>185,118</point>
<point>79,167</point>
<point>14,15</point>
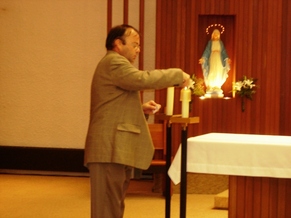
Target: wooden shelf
<point>177,119</point>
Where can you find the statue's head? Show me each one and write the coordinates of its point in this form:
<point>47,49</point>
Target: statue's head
<point>215,34</point>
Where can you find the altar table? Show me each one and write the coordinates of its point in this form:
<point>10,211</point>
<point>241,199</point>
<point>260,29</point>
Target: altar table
<point>259,167</point>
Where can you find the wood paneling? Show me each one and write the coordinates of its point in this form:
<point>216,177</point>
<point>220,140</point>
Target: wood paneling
<point>259,197</point>
<point>285,79</point>
<point>126,13</point>
<point>109,15</point>
<point>260,49</point>
<point>141,30</point>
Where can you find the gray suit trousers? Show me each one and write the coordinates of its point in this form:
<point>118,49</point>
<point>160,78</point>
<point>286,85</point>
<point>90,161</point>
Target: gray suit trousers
<point>109,183</point>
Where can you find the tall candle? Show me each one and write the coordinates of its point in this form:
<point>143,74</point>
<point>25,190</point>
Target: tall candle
<point>170,101</point>
<point>185,97</point>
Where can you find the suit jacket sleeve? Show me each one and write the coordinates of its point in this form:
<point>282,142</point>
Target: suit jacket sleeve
<point>126,76</point>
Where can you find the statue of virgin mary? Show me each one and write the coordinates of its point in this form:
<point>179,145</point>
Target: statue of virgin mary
<point>215,65</point>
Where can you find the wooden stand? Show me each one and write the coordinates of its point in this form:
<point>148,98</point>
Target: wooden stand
<point>183,187</point>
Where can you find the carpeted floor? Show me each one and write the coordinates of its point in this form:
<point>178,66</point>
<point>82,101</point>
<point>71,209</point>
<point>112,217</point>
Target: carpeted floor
<point>39,196</point>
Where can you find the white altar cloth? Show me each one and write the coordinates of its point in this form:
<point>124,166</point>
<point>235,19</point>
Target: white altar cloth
<point>236,154</point>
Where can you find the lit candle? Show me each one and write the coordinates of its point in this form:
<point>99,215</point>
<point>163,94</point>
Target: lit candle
<point>170,101</point>
<point>185,97</point>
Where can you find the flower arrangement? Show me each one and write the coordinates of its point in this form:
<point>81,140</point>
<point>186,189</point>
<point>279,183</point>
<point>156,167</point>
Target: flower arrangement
<point>197,86</point>
<point>245,88</point>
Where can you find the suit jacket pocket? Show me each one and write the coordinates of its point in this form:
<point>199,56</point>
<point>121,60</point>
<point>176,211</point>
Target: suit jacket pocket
<point>127,127</point>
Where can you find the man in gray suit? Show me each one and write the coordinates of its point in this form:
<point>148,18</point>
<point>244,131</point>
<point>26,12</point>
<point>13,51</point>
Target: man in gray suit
<point>118,138</point>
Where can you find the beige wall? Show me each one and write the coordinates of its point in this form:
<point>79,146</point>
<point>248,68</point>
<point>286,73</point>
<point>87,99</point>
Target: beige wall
<point>48,52</point>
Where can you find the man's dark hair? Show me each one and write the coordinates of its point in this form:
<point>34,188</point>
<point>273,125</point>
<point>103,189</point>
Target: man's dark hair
<point>117,32</point>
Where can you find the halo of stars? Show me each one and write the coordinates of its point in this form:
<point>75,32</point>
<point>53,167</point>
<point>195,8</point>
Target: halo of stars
<point>215,26</point>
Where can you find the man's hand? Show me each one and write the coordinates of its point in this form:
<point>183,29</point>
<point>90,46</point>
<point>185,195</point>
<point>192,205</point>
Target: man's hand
<point>186,80</point>
<point>150,107</point>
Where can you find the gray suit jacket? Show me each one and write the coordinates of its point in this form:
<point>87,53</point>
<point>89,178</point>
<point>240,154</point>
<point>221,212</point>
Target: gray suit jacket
<point>118,131</point>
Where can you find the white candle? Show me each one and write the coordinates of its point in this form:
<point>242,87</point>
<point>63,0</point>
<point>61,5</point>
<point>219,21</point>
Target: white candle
<point>185,97</point>
<point>170,101</point>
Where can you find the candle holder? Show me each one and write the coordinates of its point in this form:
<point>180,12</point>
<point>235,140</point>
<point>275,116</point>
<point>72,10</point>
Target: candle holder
<point>176,119</point>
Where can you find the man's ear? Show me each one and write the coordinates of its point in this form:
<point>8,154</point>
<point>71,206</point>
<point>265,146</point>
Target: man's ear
<point>117,44</point>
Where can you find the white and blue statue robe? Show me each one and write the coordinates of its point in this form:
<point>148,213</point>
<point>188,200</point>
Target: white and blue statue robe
<point>215,66</point>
